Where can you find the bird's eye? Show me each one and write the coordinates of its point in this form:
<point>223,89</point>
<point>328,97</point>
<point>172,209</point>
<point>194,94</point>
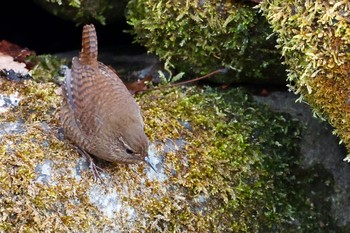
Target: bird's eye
<point>129,151</point>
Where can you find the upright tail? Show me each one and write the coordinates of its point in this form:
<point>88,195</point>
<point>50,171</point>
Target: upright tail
<point>89,48</point>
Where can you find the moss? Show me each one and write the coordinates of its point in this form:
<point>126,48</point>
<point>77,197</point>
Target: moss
<point>314,37</point>
<point>48,68</point>
<point>202,36</point>
<point>28,205</point>
<point>234,174</point>
<point>239,161</point>
<point>85,11</point>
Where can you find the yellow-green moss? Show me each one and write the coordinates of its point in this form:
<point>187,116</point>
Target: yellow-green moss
<point>233,175</point>
<point>28,205</point>
<point>314,37</point>
<point>202,36</point>
<point>238,158</point>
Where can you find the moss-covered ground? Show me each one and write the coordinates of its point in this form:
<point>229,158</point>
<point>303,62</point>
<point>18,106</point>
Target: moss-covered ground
<point>236,172</point>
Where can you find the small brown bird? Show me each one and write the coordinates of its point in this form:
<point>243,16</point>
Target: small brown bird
<point>99,114</point>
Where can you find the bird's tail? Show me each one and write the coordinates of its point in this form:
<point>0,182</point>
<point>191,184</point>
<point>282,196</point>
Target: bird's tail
<point>89,48</point>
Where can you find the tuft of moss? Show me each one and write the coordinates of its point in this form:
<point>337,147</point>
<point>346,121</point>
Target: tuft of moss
<point>85,11</point>
<point>314,37</point>
<point>48,68</point>
<point>202,36</point>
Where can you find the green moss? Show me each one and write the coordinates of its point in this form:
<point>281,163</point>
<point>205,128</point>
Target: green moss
<point>314,37</point>
<point>239,160</point>
<point>202,36</point>
<point>85,11</point>
<point>47,68</point>
<point>235,173</point>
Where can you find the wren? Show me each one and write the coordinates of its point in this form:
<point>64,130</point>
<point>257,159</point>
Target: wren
<point>99,115</point>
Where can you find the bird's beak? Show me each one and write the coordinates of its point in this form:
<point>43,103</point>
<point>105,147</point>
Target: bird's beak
<point>149,163</point>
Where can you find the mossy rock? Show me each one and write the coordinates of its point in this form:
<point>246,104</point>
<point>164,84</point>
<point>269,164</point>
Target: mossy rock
<point>226,165</point>
<point>314,37</point>
<point>201,36</point>
<point>85,11</point>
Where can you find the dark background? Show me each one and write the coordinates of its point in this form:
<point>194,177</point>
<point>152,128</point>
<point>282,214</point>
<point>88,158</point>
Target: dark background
<point>24,23</point>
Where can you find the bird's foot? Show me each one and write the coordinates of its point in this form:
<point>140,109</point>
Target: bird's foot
<point>95,169</point>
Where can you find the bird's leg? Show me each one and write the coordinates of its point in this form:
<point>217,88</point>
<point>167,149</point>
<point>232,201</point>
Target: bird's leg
<point>95,169</point>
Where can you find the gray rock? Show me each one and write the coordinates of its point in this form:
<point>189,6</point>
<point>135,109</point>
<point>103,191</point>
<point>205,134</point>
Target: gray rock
<point>322,153</point>
<point>7,102</point>
<point>7,128</point>
<point>44,171</point>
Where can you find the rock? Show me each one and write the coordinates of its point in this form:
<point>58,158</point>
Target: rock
<point>217,154</point>
<point>44,172</point>
<point>205,150</point>
<point>321,80</point>
<point>322,154</point>
<point>7,102</point>
<point>8,128</point>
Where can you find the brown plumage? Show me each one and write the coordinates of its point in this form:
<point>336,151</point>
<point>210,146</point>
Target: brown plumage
<point>99,114</point>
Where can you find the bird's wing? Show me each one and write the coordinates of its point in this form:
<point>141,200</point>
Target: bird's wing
<point>82,94</point>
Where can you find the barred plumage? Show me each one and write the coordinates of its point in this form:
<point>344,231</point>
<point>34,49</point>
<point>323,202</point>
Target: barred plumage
<point>99,114</point>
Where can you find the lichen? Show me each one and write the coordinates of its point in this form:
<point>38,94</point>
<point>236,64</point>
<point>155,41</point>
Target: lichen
<point>314,37</point>
<point>202,36</point>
